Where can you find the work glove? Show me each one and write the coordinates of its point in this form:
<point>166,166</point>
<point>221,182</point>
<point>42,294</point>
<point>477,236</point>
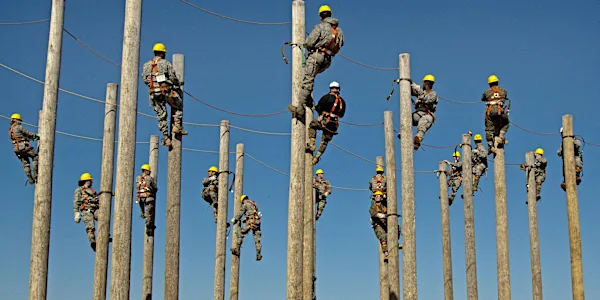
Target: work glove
<point>77,217</point>
<point>259,214</point>
<point>380,215</point>
<point>232,221</point>
<point>214,177</point>
<point>36,138</point>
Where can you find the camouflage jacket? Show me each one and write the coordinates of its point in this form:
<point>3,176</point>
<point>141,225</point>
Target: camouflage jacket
<point>85,198</point>
<point>18,134</point>
<point>322,36</point>
<point>376,208</point>
<point>479,155</point>
<point>426,102</point>
<point>576,144</point>
<point>211,184</point>
<point>455,169</point>
<point>540,165</point>
<point>146,186</point>
<point>378,183</point>
<point>250,210</point>
<point>323,188</point>
<point>164,68</point>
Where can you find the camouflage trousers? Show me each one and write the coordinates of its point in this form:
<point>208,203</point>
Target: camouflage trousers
<point>159,104</point>
<point>539,179</point>
<point>329,128</point>
<point>239,237</point>
<point>478,171</point>
<point>315,63</point>
<point>454,183</point>
<point>493,125</point>
<point>320,207</point>
<point>147,208</point>
<point>88,216</point>
<point>24,154</point>
<point>382,235</point>
<point>212,198</point>
<point>423,121</point>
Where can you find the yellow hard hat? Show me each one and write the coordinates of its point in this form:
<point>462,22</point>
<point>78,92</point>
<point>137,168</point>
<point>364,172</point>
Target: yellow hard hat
<point>319,171</point>
<point>16,116</point>
<point>378,193</point>
<point>456,154</point>
<point>379,169</point>
<point>539,151</point>
<point>324,8</point>
<point>214,169</point>
<point>85,177</point>
<point>429,77</point>
<point>477,137</point>
<point>243,197</point>
<point>160,47</point>
<point>492,78</point>
<point>146,167</point>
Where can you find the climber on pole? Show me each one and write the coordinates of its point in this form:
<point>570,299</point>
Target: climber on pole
<point>20,138</point>
<point>165,88</point>
<point>210,192</point>
<point>146,197</point>
<point>424,115</point>
<point>378,212</point>
<point>539,171</point>
<point>323,188</point>
<point>455,176</point>
<point>323,43</point>
<point>479,161</point>
<point>378,182</point>
<point>496,115</point>
<point>248,210</point>
<point>86,205</point>
<point>331,108</point>
<point>578,161</point>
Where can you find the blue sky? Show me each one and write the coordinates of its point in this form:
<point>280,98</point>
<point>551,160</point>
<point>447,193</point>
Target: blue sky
<point>545,54</point>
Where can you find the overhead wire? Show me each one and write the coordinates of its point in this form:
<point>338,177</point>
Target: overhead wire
<point>23,23</point>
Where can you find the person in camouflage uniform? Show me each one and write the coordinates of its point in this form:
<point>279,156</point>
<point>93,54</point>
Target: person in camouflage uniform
<point>20,138</point>
<point>86,205</point>
<point>146,197</point>
<point>330,109</point>
<point>378,212</point>
<point>211,189</point>
<point>539,168</point>
<point>578,161</point>
<point>164,87</point>
<point>424,115</point>
<point>323,189</point>
<point>323,43</point>
<point>455,176</point>
<point>379,182</point>
<point>479,161</point>
<point>496,115</point>
<point>249,210</point>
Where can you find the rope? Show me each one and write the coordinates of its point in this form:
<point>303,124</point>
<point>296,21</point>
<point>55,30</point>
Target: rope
<point>233,19</point>
<point>353,154</point>
<point>260,132</point>
<point>201,151</point>
<point>360,125</point>
<point>534,132</point>
<point>235,113</point>
<point>23,23</point>
<point>458,102</point>
<point>89,48</point>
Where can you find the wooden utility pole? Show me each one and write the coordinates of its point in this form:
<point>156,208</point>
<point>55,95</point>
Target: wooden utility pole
<point>234,281</point>
<point>294,285</point>
<point>121,251</point>
<point>471,261</point>
<point>392,205</point>
<point>174,199</point>
<point>501,226</point>
<point>309,220</point>
<point>572,207</point>
<point>148,269</point>
<point>409,251</point>
<point>446,243</point>
<point>106,188</point>
<point>42,205</point>
<point>536,266</point>
<point>222,212</point>
<point>384,279</point>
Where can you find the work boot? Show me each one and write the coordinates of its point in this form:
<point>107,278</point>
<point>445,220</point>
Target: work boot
<point>297,112</point>
<point>385,256</point>
<point>258,256</point>
<point>311,145</point>
<point>31,180</point>
<point>235,251</point>
<point>316,158</point>
<point>563,186</point>
<point>417,142</point>
<point>491,148</point>
<point>451,199</point>
<point>178,128</point>
<point>93,245</point>
<point>578,180</point>
<point>400,246</point>
<point>166,141</point>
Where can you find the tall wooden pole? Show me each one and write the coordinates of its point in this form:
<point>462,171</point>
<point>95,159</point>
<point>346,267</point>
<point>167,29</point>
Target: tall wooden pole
<point>121,251</point>
<point>106,187</point>
<point>174,200</point>
<point>222,212</point>
<point>446,242</point>
<point>471,261</point>
<point>384,280</point>
<point>234,281</point>
<point>501,226</point>
<point>148,269</point>
<point>409,250</point>
<point>536,266</point>
<point>392,205</point>
<point>297,167</point>
<point>309,220</point>
<point>572,208</point>
<point>40,229</point>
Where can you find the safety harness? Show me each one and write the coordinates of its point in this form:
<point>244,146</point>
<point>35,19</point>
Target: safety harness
<point>89,200</point>
<point>15,141</point>
<point>379,184</point>
<point>158,83</point>
<point>253,220</point>
<point>334,45</point>
<point>495,100</point>
<point>143,189</point>
<point>336,109</point>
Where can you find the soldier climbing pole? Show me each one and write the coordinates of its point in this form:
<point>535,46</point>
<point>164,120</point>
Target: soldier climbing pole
<point>148,269</point>
<point>536,266</point>
<point>392,206</point>
<point>446,241</point>
<point>295,239</point>
<point>42,204</point>
<point>384,281</point>
<point>409,251</point>
<point>106,187</point>
<point>308,256</point>
<point>221,236</point>
<point>173,208</point>
<point>572,208</point>
<point>470,253</point>
<point>234,281</point>
<point>503,266</point>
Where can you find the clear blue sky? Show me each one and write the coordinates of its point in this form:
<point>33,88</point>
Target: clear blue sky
<point>546,55</point>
